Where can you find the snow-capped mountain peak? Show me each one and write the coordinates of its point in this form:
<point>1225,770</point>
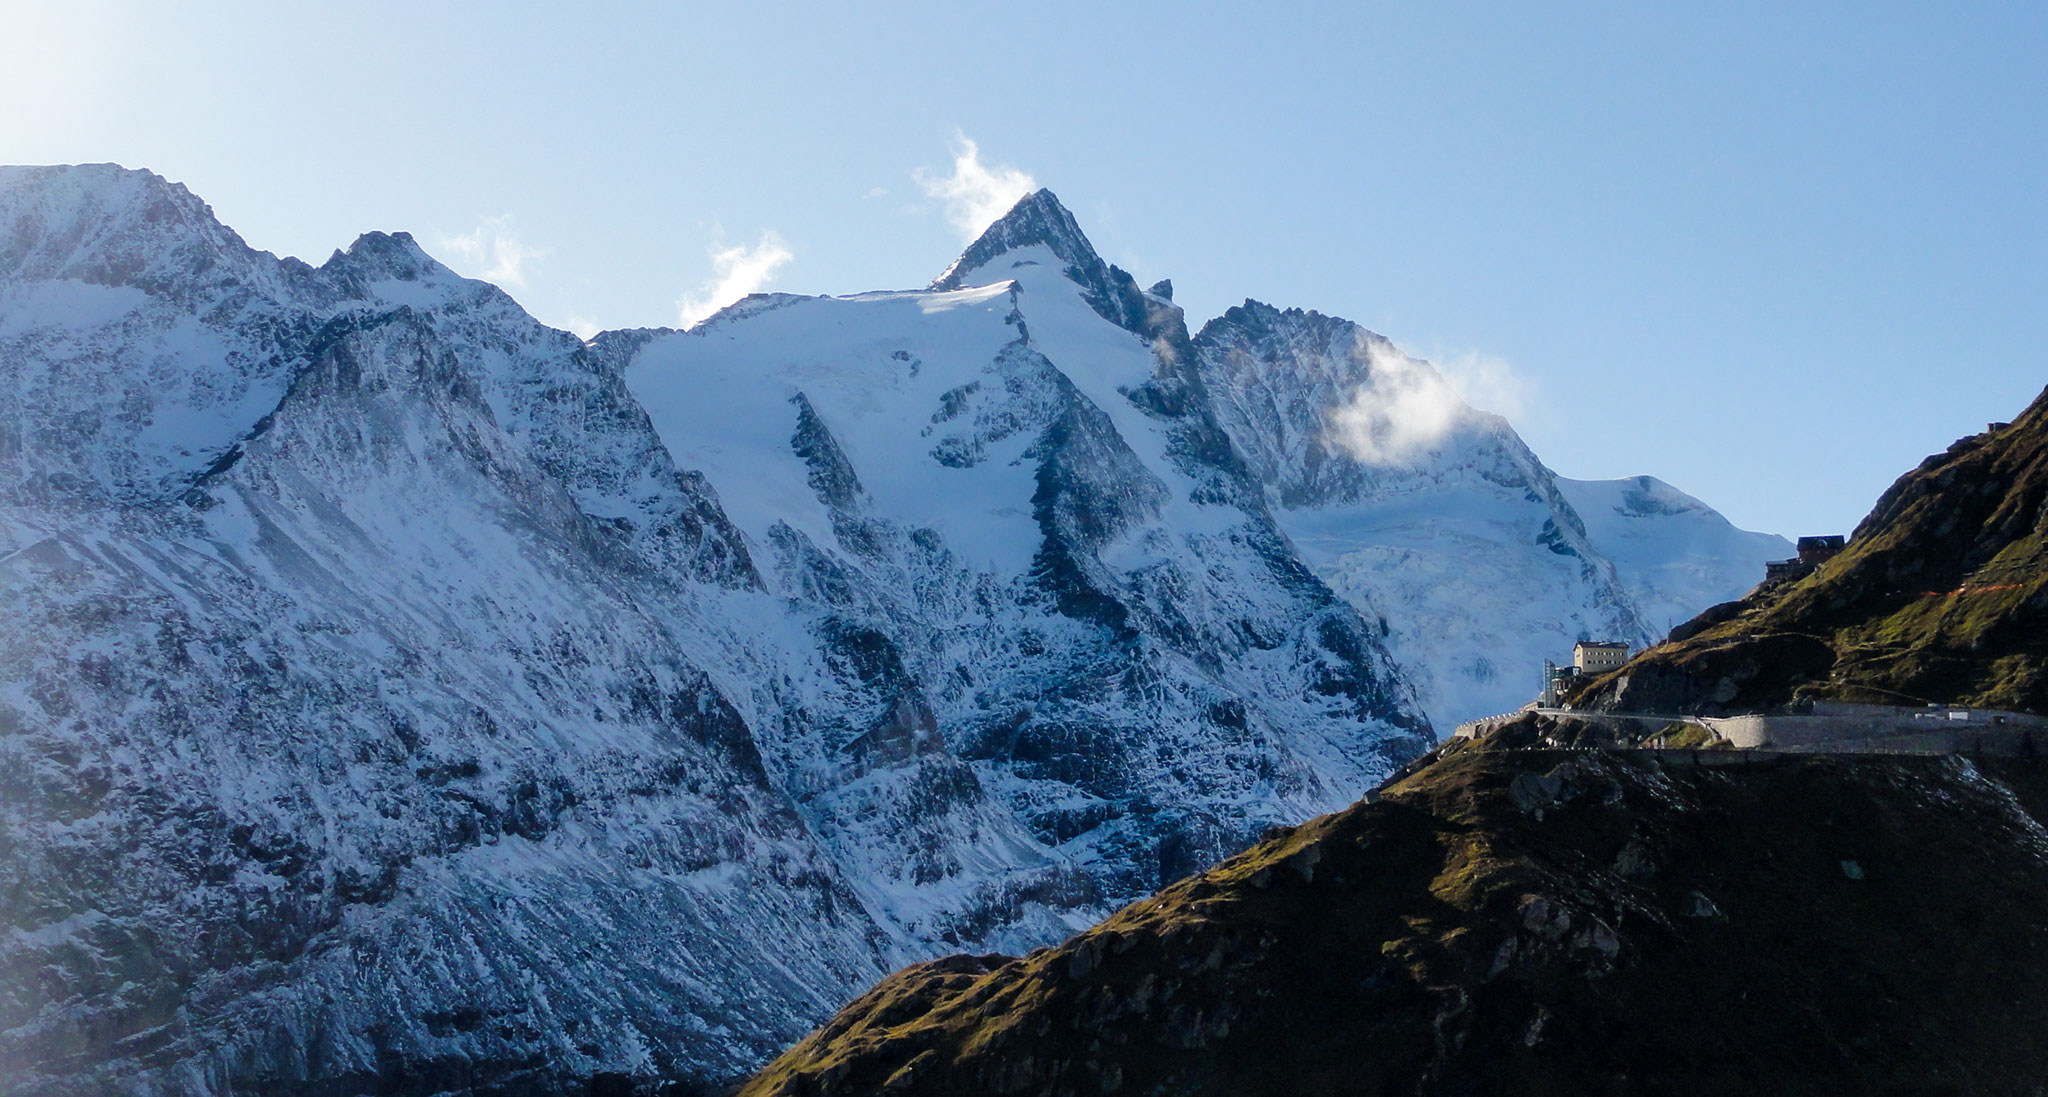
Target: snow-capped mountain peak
<point>107,225</point>
<point>1037,218</point>
<point>1673,552</point>
<point>379,256</point>
<point>1441,521</point>
<point>1039,221</point>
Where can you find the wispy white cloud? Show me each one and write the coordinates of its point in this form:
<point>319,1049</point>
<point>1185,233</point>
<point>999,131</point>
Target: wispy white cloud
<point>583,327</point>
<point>975,193</point>
<point>490,252</point>
<point>737,271</point>
<point>1407,406</point>
<point>1488,381</point>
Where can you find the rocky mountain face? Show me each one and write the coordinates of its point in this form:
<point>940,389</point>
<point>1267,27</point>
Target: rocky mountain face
<point>1540,922</point>
<point>1007,496</point>
<point>358,731</point>
<point>1436,518</point>
<point>403,696</point>
<point>389,709</point>
<point>1940,597</point>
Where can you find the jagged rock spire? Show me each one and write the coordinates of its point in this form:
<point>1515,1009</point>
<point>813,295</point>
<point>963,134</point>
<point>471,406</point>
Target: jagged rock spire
<point>375,255</point>
<point>1038,219</point>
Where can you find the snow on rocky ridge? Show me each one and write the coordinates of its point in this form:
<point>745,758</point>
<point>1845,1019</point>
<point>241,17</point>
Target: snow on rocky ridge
<point>1481,561</point>
<point>403,695</point>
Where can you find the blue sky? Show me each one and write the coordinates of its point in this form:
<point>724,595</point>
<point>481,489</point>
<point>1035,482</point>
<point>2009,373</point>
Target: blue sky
<point>1774,254</point>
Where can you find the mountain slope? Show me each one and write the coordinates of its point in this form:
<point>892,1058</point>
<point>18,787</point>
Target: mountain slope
<point>1673,553</point>
<point>1940,597</point>
<point>347,750</point>
<point>1439,521</point>
<point>1530,922</point>
<point>1102,619</point>
<point>449,733</point>
<point>404,696</point>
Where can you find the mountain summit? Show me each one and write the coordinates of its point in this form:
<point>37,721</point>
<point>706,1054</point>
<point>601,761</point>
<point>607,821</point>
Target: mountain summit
<point>1039,221</point>
<point>105,225</point>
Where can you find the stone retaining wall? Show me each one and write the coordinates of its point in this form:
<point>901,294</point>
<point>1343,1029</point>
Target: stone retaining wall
<point>1840,734</point>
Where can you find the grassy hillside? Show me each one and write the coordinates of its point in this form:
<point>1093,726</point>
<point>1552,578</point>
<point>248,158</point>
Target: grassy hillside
<point>1534,923</point>
<point>1941,596</point>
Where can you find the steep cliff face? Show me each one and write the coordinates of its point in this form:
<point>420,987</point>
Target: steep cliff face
<point>115,285</point>
<point>1530,922</point>
<point>389,708</point>
<point>350,748</point>
<point>1940,597</point>
<point>1435,518</point>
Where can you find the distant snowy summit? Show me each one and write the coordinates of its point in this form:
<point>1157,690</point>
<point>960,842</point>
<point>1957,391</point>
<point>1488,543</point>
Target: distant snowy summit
<point>470,705</point>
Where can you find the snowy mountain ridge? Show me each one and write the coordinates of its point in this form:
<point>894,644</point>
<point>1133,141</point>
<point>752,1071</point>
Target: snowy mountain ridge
<point>406,695</point>
<point>1481,561</point>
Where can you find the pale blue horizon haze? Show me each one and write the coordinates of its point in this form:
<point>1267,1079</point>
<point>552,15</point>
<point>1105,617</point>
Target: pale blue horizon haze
<point>1772,254</point>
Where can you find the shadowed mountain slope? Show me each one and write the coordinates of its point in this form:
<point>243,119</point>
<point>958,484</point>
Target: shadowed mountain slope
<point>1537,923</point>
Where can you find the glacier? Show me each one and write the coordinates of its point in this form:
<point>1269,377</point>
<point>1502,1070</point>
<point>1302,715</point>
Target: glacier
<point>1481,561</point>
<point>403,696</point>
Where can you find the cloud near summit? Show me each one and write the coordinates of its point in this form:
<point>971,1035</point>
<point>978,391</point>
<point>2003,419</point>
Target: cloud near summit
<point>1406,406</point>
<point>490,252</point>
<point>737,272</point>
<point>975,193</point>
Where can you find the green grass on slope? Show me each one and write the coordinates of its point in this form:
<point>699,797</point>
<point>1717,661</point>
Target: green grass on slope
<point>1941,596</point>
<point>1533,923</point>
